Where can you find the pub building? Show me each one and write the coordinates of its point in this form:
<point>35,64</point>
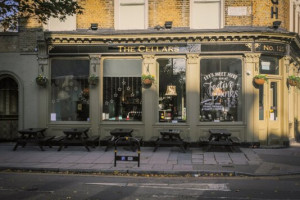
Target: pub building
<point>203,77</point>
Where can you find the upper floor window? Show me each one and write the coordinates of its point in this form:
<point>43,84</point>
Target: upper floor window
<point>206,14</point>
<point>131,14</point>
<point>55,24</point>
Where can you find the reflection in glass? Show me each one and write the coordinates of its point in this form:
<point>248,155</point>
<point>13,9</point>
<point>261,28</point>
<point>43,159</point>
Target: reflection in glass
<point>261,102</point>
<point>172,92</point>
<point>122,93</point>
<point>69,90</point>
<point>273,101</point>
<point>220,90</point>
<point>8,98</point>
<point>268,65</point>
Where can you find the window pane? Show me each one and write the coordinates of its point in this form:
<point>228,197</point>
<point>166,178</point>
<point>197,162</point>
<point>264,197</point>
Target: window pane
<point>122,94</point>
<point>273,101</point>
<point>69,90</point>
<point>132,17</point>
<point>206,15</point>
<point>220,90</point>
<point>261,102</point>
<point>172,92</point>
<point>268,65</point>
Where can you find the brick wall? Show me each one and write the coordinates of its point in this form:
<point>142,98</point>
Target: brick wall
<point>96,11</point>
<point>169,10</point>
<point>28,32</point>
<point>244,20</point>
<point>262,13</point>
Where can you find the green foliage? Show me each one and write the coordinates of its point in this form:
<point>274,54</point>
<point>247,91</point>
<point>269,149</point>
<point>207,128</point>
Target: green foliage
<point>261,76</point>
<point>13,10</point>
<point>294,78</point>
<point>147,76</point>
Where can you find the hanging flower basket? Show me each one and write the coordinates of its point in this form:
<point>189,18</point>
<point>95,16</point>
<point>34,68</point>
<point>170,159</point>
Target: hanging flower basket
<point>147,80</point>
<point>41,80</point>
<point>293,80</point>
<point>260,79</point>
<point>93,79</point>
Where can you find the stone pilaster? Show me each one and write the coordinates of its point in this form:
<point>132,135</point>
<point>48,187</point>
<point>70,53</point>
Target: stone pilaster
<point>94,94</point>
<point>250,94</point>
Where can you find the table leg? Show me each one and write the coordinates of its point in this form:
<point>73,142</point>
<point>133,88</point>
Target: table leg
<point>16,146</point>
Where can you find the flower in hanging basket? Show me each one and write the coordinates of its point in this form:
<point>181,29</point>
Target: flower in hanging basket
<point>41,80</point>
<point>260,79</point>
<point>147,79</point>
<point>93,79</point>
<point>85,92</point>
<point>293,80</point>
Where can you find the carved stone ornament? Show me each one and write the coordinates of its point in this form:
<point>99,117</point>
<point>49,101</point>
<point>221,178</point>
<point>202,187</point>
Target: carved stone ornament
<point>192,58</point>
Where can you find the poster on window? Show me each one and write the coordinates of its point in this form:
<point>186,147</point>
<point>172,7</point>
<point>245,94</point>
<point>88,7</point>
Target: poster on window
<point>219,96</point>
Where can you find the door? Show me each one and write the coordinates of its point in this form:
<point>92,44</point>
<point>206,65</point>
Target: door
<point>270,112</point>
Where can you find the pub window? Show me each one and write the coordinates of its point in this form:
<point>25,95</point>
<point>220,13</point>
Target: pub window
<point>8,98</point>
<point>69,90</point>
<point>122,93</point>
<point>206,14</point>
<point>131,14</point>
<point>269,65</point>
<point>172,90</point>
<point>220,90</point>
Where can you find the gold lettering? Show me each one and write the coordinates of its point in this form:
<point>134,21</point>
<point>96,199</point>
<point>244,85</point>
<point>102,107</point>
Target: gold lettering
<point>170,49</point>
<point>141,49</point>
<point>120,48</point>
<point>148,49</point>
<point>164,49</point>
<point>176,49</point>
<point>268,48</point>
<point>132,49</point>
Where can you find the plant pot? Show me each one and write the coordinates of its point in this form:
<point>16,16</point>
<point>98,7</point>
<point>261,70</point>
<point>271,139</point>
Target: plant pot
<point>41,81</point>
<point>292,82</point>
<point>93,81</point>
<point>259,81</point>
<point>147,83</point>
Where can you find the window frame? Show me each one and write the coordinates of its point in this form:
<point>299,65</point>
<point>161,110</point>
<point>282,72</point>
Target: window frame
<point>222,10</point>
<point>49,91</point>
<point>243,115</point>
<point>117,5</point>
<point>156,114</point>
<point>101,92</point>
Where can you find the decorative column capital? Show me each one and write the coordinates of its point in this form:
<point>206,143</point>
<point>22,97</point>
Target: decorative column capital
<point>287,60</point>
<point>252,57</point>
<point>148,59</point>
<point>95,59</point>
<point>192,58</point>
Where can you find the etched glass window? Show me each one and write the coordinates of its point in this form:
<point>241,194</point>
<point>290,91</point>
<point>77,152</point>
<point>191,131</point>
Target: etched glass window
<point>220,90</point>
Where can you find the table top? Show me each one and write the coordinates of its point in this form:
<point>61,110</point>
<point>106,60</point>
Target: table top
<point>224,132</point>
<point>76,130</point>
<point>32,130</point>
<point>121,132</point>
<point>171,131</point>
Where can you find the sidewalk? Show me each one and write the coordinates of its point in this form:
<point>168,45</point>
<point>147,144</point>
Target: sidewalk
<point>166,160</point>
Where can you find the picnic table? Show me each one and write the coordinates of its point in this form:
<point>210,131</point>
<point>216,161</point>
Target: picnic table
<point>76,136</point>
<point>121,134</point>
<point>219,137</point>
<point>170,137</point>
<point>32,135</point>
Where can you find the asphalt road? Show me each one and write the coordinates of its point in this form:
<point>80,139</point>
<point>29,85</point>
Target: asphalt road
<point>78,186</point>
